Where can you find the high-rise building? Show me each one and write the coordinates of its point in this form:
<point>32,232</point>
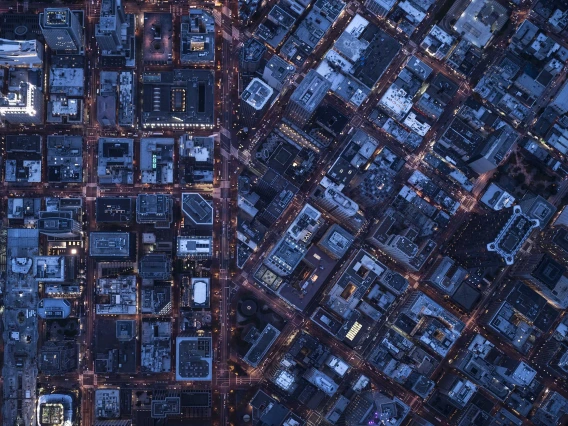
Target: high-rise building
<point>108,30</point>
<point>23,103</point>
<point>15,53</point>
<point>277,72</point>
<point>60,224</point>
<point>307,97</point>
<point>251,55</point>
<point>255,100</point>
<point>546,276</point>
<point>62,30</point>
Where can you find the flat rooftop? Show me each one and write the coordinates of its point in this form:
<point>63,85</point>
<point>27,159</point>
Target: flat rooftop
<point>113,209</point>
<point>257,94</point>
<point>157,39</point>
<point>64,158</point>
<point>197,37</point>
<point>311,91</point>
<point>194,358</point>
<point>182,98</point>
<point>110,244</point>
<point>198,210</point>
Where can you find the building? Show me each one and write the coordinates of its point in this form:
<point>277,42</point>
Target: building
<point>116,89</point>
<point>336,241</point>
<point>156,346</point>
<point>261,341</point>
<point>268,411</point>
<point>480,21</point>
<point>277,72</point>
<point>157,40</point>
<point>156,209</point>
<point>255,100</point>
<point>20,26</point>
<point>112,245</point>
<point>23,101</point>
<point>375,408</point>
<point>62,30</point>
<point>197,38</point>
<point>494,151</point>
<point>59,224</point>
<point>23,158</point>
<point>513,235</point>
<point>196,159</point>
<point>54,409</point>
<point>108,30</point>
<point>250,56</point>
<point>446,274</point>
<point>52,309</point>
<point>329,197</point>
<point>107,403</point>
<point>113,209</point>
<point>21,53</point>
<point>64,158</point>
<point>194,358</point>
<point>115,34</point>
<point>157,160</point>
<point>429,324</point>
<point>200,248</point>
<point>117,296</point>
<point>306,98</point>
<point>155,266</point>
<point>311,29</point>
<point>115,345</point>
<point>292,247</point>
<point>197,210</point>
<point>178,99</point>
<point>116,157</point>
<point>548,277</point>
<point>200,292</point>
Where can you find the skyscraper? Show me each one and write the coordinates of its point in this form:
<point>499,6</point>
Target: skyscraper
<point>62,30</point>
<point>108,30</point>
<point>307,97</point>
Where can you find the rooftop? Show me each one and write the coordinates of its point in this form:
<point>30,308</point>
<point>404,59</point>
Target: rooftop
<point>257,94</point>
<point>197,37</point>
<point>198,210</point>
<point>183,98</point>
<point>157,39</point>
<point>194,358</point>
<point>513,235</point>
<point>110,244</point>
<point>64,158</point>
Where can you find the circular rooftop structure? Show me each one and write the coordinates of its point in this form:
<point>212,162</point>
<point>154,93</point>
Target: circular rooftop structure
<point>20,31</point>
<point>248,307</point>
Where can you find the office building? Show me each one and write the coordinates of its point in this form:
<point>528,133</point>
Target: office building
<point>64,158</point>
<point>157,40</point>
<point>116,161</point>
<point>197,210</point>
<point>112,245</point>
<point>546,276</point>
<point>16,53</point>
<point>62,30</point>
<point>115,34</point>
<point>23,102</point>
<point>255,101</point>
<point>250,56</point>
<point>108,30</point>
<point>278,72</point>
<point>178,99</point>
<point>59,224</point>
<point>155,209</point>
<point>197,38</point>
<point>307,97</point>
<point>113,209</point>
